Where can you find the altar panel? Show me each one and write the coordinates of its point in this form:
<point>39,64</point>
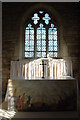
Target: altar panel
<point>41,68</point>
<point>42,95</point>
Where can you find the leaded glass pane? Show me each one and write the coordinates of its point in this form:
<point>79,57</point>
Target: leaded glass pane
<point>26,48</point>
<point>52,41</point>
<point>39,37</point>
<point>50,54</point>
<point>55,37</point>
<point>26,31</point>
<point>29,54</point>
<point>38,31</point>
<point>26,54</point>
<point>26,42</point>
<point>32,32</point>
<point>43,48</point>
<point>32,43</point>
<point>31,48</point>
<point>43,36</point>
<point>50,48</point>
<point>43,31</point>
<point>29,41</point>
<point>27,36</point>
<point>43,54</point>
<point>39,48</point>
<point>55,43</point>
<point>50,31</point>
<point>55,29</point>
<point>38,54</point>
<point>31,36</point>
<point>41,41</point>
<point>55,48</point>
<point>55,54</point>
<point>50,37</point>
<point>38,43</point>
<point>55,32</point>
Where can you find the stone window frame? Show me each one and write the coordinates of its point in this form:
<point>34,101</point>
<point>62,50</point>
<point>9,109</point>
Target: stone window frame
<point>52,21</point>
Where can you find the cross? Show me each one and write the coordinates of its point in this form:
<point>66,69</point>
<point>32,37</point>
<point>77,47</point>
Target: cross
<point>46,18</point>
<point>35,18</point>
<point>42,68</point>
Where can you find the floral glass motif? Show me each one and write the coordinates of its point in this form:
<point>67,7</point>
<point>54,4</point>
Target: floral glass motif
<point>29,41</point>
<point>41,41</point>
<point>35,18</point>
<point>46,18</point>
<point>52,41</point>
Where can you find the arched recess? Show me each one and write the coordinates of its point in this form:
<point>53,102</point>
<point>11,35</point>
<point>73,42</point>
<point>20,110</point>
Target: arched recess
<point>62,47</point>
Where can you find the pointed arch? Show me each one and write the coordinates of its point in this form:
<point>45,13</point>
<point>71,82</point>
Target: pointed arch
<point>55,19</point>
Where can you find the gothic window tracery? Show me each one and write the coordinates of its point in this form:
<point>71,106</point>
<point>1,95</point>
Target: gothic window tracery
<point>41,37</point>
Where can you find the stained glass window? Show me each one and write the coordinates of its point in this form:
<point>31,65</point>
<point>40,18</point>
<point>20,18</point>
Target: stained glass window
<point>35,18</point>
<point>40,12</point>
<point>41,36</point>
<point>52,41</point>
<point>29,41</point>
<point>41,41</point>
<point>46,18</point>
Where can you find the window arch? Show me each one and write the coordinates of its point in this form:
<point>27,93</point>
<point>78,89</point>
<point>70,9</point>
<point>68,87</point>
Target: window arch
<point>41,36</point>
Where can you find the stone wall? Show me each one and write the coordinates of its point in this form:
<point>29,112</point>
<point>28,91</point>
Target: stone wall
<point>13,15</point>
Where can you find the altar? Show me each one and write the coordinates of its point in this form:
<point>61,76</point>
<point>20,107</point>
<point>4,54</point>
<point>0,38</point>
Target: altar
<point>43,84</point>
<point>41,68</point>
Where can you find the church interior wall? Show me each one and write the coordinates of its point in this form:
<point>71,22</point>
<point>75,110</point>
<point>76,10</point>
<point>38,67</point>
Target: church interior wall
<point>12,48</point>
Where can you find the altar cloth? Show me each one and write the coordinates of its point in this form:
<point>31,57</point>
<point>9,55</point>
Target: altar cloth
<point>42,95</point>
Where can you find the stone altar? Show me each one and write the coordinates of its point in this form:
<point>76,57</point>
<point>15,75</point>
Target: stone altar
<point>41,68</point>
